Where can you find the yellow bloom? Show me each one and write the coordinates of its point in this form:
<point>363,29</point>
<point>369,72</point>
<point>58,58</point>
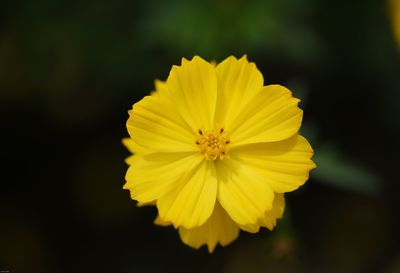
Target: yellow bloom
<point>394,6</point>
<point>214,149</point>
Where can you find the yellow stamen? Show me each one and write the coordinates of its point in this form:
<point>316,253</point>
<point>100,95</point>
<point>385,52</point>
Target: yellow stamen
<point>213,144</point>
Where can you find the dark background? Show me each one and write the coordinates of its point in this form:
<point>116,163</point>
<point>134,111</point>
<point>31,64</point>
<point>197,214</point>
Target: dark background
<point>70,71</point>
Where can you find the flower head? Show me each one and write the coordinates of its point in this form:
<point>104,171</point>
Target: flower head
<point>214,149</point>
<point>394,7</point>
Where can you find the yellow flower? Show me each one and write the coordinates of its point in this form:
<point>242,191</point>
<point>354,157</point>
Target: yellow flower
<point>394,6</point>
<point>214,149</point>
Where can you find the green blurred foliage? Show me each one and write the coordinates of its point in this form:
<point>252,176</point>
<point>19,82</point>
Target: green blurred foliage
<point>338,170</point>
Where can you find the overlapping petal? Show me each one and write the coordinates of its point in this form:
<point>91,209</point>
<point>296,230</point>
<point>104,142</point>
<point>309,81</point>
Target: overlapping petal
<point>243,192</point>
<point>221,229</point>
<point>239,81</point>
<point>272,115</point>
<point>152,176</point>
<point>135,149</point>
<point>155,124</point>
<point>192,202</point>
<point>194,89</point>
<point>218,229</point>
<point>285,165</point>
<point>269,218</point>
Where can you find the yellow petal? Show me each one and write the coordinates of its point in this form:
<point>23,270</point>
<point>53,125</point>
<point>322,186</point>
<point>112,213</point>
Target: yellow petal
<point>238,82</point>
<point>134,148</point>
<point>272,115</point>
<point>192,202</point>
<point>284,165</point>
<point>270,216</point>
<point>394,8</point>
<point>194,88</point>
<point>151,176</point>
<point>139,204</point>
<point>219,228</point>
<point>155,125</point>
<point>160,86</point>
<point>242,192</point>
<point>130,159</point>
<point>161,222</point>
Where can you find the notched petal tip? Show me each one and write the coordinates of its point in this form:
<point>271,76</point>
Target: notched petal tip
<point>174,69</point>
<point>160,222</point>
<point>131,193</point>
<point>198,58</point>
<point>195,59</point>
<point>232,57</point>
<point>130,160</point>
<point>278,86</point>
<point>125,142</point>
<point>251,228</point>
<point>159,84</point>
<point>218,229</point>
<point>144,204</point>
<point>244,57</point>
<point>270,217</point>
<point>184,61</point>
<point>211,248</point>
<point>309,148</point>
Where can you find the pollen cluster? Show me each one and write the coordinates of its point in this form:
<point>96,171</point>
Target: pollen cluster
<point>213,144</point>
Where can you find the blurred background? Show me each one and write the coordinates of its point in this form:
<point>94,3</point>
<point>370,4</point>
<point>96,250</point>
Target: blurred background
<point>70,71</point>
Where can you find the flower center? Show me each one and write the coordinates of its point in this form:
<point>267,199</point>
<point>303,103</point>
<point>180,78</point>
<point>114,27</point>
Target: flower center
<point>213,144</point>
